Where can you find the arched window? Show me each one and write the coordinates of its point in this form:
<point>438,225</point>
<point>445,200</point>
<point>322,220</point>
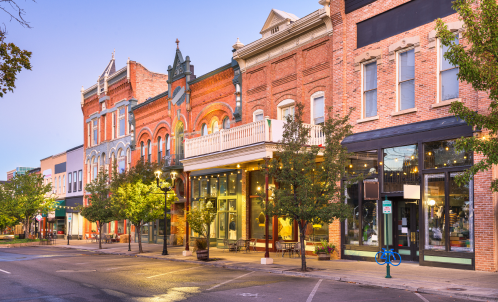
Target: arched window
<point>258,115</point>
<point>102,162</point>
<point>128,159</point>
<point>142,151</point>
<point>159,149</point>
<point>149,150</point>
<point>204,130</point>
<point>94,167</point>
<point>226,123</point>
<point>167,144</point>
<point>121,161</point>
<point>179,140</point>
<point>215,128</point>
<point>180,188</point>
<point>285,108</point>
<point>318,108</point>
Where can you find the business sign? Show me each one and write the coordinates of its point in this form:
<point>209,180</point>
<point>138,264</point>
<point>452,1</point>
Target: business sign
<point>38,217</point>
<point>387,207</point>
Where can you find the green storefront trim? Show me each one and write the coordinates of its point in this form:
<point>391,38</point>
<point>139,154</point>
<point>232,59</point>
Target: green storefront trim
<point>60,212</point>
<point>359,253</point>
<point>448,260</point>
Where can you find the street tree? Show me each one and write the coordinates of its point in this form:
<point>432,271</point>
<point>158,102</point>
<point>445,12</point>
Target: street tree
<point>100,208</point>
<point>477,59</point>
<point>308,177</point>
<point>200,220</point>
<point>24,197</point>
<point>141,203</point>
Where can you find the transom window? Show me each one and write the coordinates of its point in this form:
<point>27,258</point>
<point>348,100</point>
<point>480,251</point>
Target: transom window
<point>406,79</point>
<point>448,76</point>
<point>370,89</point>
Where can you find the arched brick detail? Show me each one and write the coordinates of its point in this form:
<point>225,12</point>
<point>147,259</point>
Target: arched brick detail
<point>316,88</point>
<point>158,127</point>
<point>175,124</point>
<point>144,130</point>
<point>286,96</point>
<point>214,106</point>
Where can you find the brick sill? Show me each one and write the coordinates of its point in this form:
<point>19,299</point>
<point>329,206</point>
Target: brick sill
<point>368,119</point>
<point>406,111</point>
<point>445,103</point>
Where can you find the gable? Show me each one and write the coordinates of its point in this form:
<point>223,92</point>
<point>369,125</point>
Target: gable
<point>276,17</point>
<point>179,64</point>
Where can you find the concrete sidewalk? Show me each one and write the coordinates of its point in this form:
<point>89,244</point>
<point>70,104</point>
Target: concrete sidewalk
<point>410,276</point>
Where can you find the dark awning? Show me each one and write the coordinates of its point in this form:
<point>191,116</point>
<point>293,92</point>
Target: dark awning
<point>72,203</point>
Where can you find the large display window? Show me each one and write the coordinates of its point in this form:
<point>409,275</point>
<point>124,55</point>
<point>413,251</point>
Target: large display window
<point>400,167</point>
<point>258,218</point>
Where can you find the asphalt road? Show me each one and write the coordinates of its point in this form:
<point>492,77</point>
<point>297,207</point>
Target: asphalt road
<point>55,274</point>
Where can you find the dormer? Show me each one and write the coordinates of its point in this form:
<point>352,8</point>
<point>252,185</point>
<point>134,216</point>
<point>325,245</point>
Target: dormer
<point>276,22</point>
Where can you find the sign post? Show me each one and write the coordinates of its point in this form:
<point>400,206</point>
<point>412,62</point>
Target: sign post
<point>69,218</point>
<point>387,208</point>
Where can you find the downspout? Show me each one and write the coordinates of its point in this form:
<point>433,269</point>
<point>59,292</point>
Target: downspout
<point>344,58</point>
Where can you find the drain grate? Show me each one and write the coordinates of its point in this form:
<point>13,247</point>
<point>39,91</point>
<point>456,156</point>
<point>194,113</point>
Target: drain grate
<point>457,289</point>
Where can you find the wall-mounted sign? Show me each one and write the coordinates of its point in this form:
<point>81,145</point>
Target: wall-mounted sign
<point>411,191</point>
<point>38,217</point>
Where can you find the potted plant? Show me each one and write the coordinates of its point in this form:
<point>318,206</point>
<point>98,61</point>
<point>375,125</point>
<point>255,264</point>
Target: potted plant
<point>200,221</point>
<point>200,247</point>
<point>323,250</point>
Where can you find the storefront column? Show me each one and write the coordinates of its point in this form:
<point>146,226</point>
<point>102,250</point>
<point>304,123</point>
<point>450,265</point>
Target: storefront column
<point>187,251</point>
<point>245,209</point>
<point>267,259</point>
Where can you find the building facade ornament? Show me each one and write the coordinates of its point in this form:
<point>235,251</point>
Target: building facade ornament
<point>402,44</point>
<point>372,54</point>
<point>456,27</point>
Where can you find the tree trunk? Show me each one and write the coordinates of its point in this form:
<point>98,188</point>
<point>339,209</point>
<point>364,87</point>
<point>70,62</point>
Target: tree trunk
<point>100,236</point>
<point>303,248</point>
<point>26,226</point>
<point>139,227</point>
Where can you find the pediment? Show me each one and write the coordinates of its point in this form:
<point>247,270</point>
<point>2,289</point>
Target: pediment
<point>275,17</point>
<point>178,66</point>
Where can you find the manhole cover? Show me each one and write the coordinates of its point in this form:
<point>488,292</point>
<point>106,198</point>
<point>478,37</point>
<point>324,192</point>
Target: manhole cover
<point>456,289</point>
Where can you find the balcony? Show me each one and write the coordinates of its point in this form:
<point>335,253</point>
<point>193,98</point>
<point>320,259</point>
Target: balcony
<point>173,161</point>
<point>266,131</point>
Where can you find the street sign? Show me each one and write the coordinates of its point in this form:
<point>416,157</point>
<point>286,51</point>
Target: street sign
<point>69,217</point>
<point>387,207</point>
<point>38,217</point>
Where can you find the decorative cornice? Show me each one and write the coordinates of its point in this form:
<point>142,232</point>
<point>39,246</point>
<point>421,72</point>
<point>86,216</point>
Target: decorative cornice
<point>402,44</point>
<point>456,26</point>
<point>367,56</point>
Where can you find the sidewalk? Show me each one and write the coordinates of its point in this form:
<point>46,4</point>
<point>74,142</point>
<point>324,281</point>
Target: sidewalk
<point>410,276</point>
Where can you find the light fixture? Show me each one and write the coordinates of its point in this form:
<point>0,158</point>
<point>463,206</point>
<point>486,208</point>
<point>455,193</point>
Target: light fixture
<point>351,166</point>
<point>158,173</point>
<point>447,148</point>
<point>432,202</point>
<point>259,188</point>
<point>380,163</point>
<point>413,157</point>
<point>430,153</point>
<point>454,161</point>
<point>395,159</point>
<point>365,165</point>
<point>238,166</point>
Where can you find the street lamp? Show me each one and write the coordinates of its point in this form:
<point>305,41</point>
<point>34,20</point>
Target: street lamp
<point>166,191</point>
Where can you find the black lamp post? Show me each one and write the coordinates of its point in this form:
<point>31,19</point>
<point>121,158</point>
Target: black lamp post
<point>166,191</point>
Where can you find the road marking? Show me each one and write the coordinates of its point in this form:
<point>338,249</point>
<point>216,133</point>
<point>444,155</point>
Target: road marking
<point>1,270</point>
<point>313,292</point>
<point>172,272</point>
<point>228,281</point>
<point>422,297</point>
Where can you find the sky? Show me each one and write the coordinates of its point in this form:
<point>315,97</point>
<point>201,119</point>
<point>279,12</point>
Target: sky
<point>72,42</point>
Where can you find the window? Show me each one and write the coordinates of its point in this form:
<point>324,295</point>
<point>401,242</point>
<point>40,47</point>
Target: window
<point>215,127</point>
<point>63,183</point>
<point>180,188</point>
<point>75,180</point>
<point>448,76</point>
<point>226,123</point>
<point>122,161</point>
<point>274,30</point>
<point>400,167</point>
<point>287,111</point>
<point>94,168</point>
<point>318,110</point>
<point>159,149</point>
<point>60,189</point>
<point>80,179</point>
<point>149,150</point>
<point>362,162</point>
<point>443,154</point>
<point>142,150</point>
<point>258,115</point>
<point>95,132</point>
<point>406,80</point>
<point>113,125</point>
<point>204,130</point>
<point>69,182</point>
<point>167,144</point>
<point>122,125</point>
<point>370,89</point>
<point>89,138</point>
<point>258,217</point>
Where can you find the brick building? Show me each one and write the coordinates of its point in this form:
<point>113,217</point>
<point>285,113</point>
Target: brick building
<point>106,108</point>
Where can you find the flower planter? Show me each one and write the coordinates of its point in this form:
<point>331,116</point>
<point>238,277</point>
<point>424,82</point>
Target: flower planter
<point>323,256</point>
<point>202,255</point>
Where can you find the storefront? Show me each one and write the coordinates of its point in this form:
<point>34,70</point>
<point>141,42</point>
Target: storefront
<point>414,166</point>
<point>222,190</point>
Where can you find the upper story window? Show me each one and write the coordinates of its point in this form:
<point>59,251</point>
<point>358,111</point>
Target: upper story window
<point>122,124</point>
<point>142,150</point>
<point>226,123</point>
<point>80,180</point>
<point>89,136</point>
<point>167,144</point>
<point>75,180</point>
<point>69,182</point>
<point>149,150</point>
<point>215,128</point>
<point>121,161</point>
<point>274,30</point>
<point>406,79</point>
<point>95,132</point>
<point>448,76</point>
<point>159,149</point>
<point>94,168</point>
<point>319,110</point>
<point>63,183</point>
<point>204,130</point>
<point>370,89</point>
<point>285,108</point>
<point>258,115</point>
<point>113,125</point>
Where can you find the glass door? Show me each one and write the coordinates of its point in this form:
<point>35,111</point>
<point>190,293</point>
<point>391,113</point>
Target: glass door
<point>406,229</point>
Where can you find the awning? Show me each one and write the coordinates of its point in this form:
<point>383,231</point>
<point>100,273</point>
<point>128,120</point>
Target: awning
<point>60,211</point>
<point>73,202</point>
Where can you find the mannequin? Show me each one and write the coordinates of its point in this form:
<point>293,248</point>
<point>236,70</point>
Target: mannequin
<point>232,231</point>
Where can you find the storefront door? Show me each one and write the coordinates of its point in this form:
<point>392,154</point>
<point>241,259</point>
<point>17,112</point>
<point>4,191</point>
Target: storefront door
<point>406,229</point>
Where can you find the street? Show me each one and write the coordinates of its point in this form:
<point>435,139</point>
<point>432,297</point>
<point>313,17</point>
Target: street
<point>56,274</point>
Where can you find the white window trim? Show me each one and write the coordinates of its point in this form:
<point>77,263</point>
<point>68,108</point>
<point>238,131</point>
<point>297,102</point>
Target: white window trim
<point>89,139</point>
<point>312,105</point>
<point>256,112</point>
<point>439,102</point>
<point>398,99</point>
<point>119,117</point>
<point>362,85</point>
<point>282,105</point>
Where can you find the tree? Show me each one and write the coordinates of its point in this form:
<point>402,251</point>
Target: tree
<point>12,58</point>
<point>100,207</point>
<point>308,186</point>
<point>200,221</point>
<point>478,63</point>
<point>141,204</point>
<point>23,198</point>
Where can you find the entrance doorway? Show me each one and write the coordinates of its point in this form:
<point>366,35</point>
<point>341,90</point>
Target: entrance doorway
<point>406,229</point>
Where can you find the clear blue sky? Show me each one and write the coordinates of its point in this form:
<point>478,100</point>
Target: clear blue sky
<point>72,42</point>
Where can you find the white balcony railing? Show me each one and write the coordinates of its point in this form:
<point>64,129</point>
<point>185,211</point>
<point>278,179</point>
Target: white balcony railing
<point>261,131</point>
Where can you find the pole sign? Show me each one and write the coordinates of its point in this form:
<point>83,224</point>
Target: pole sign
<point>387,207</point>
<point>38,217</point>
<point>69,217</point>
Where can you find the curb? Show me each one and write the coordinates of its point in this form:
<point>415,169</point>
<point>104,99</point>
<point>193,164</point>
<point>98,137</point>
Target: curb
<point>453,294</point>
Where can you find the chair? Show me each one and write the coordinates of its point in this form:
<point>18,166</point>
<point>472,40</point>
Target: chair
<point>297,248</point>
<point>226,246</point>
<point>279,248</point>
<point>240,244</point>
<point>253,244</point>
<point>87,238</point>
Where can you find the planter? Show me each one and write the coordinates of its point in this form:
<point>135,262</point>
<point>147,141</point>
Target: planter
<point>202,255</point>
<point>323,256</point>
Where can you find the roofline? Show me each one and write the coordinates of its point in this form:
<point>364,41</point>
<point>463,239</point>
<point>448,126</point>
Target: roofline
<point>210,74</point>
<point>151,100</point>
<point>77,147</point>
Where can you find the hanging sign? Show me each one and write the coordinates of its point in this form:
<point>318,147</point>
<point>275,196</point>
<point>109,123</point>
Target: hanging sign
<point>38,217</point>
<point>387,207</point>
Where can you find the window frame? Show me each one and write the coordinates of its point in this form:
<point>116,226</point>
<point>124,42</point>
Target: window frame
<point>398,82</point>
<point>95,132</point>
<point>80,180</point>
<point>225,124</point>
<point>363,91</point>
<point>69,182</point>
<point>120,118</point>
<point>159,149</point>
<point>285,104</point>
<point>149,150</point>
<point>206,132</point>
<point>439,61</point>
<point>257,113</point>
<point>314,96</point>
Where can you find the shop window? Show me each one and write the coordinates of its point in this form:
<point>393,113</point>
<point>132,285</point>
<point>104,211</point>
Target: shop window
<point>369,223</point>
<point>121,228</point>
<point>232,184</point>
<point>406,79</point>
<point>443,154</point>
<point>258,218</point>
<point>213,187</point>
<point>362,162</point>
<point>195,188</point>
<point>223,185</point>
<point>448,75</point>
<point>400,167</point>
<point>285,228</point>
<point>435,211</point>
<point>204,188</point>
<point>352,225</point>
<point>461,216</point>
<point>317,232</point>
<point>370,89</point>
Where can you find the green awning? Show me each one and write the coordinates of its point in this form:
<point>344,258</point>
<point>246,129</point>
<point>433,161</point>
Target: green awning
<point>60,210</point>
